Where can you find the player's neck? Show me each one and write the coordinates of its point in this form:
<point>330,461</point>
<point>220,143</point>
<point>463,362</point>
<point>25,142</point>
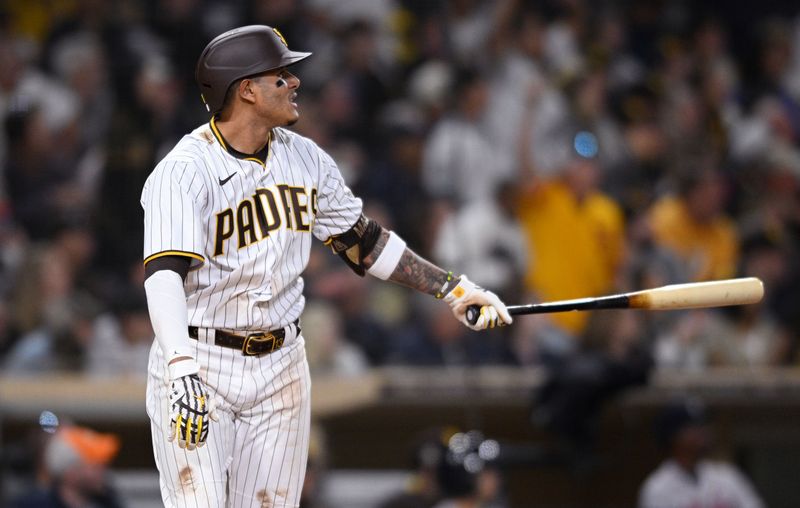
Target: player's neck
<point>243,135</point>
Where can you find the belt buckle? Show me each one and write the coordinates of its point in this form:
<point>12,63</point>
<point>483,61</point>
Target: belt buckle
<point>260,338</point>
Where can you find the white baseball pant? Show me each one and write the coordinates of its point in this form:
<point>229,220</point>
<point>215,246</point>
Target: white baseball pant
<point>256,453</point>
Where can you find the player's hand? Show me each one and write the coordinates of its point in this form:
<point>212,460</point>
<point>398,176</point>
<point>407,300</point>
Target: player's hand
<point>493,311</point>
<point>191,407</point>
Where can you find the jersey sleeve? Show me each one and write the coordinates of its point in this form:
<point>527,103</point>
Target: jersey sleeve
<point>337,208</point>
<point>172,199</point>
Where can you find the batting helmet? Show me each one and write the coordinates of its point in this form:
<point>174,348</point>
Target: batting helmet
<point>237,54</point>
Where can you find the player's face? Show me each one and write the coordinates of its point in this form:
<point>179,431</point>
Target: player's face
<point>277,98</point>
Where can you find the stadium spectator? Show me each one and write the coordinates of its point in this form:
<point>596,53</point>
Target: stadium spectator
<point>329,352</point>
<point>484,237</point>
<point>574,236</point>
<point>461,164</point>
<point>687,477</point>
<point>694,226</point>
<point>76,461</point>
<point>120,343</point>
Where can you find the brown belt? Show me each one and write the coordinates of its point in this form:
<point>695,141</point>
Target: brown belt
<point>252,344</point>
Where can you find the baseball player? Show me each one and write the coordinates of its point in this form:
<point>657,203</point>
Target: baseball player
<point>229,214</point>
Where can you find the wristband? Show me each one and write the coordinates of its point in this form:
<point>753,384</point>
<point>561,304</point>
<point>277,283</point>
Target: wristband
<point>387,261</point>
<point>182,368</point>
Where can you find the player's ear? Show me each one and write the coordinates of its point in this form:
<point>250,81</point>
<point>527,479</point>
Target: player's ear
<point>247,90</point>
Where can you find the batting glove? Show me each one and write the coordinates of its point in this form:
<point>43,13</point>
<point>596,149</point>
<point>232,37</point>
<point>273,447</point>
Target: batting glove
<point>493,311</point>
<point>190,406</point>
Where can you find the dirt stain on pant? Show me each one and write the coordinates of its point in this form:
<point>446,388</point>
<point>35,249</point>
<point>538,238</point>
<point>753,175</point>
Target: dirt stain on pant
<point>185,477</point>
<point>264,498</point>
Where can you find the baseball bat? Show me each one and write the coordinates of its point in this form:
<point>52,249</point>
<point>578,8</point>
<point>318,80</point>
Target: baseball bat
<point>694,295</point>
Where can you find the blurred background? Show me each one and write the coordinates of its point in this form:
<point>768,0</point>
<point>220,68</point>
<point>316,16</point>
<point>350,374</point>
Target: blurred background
<point>550,149</point>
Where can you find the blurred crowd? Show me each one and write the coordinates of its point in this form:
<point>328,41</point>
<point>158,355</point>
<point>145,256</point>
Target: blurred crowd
<point>549,150</point>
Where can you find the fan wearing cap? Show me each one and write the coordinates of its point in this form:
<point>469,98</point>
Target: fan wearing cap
<point>76,463</point>
<point>229,217</point>
<point>687,478</point>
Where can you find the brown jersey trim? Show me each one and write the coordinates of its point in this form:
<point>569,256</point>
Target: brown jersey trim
<point>176,253</point>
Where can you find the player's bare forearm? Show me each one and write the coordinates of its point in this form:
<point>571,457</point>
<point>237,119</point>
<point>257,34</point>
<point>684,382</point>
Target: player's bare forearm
<point>418,273</point>
<point>412,270</point>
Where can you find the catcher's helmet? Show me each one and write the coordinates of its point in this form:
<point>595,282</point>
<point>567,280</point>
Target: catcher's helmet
<point>239,53</point>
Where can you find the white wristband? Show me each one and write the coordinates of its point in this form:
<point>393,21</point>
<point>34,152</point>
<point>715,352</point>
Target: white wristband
<point>389,257</point>
<point>183,368</point>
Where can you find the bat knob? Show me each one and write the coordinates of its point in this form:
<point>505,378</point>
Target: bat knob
<point>473,311</point>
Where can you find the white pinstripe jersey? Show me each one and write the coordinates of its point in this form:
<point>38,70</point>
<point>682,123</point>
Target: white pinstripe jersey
<point>246,223</point>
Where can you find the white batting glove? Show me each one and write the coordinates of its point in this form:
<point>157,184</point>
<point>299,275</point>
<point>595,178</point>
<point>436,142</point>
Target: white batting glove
<point>493,311</point>
<point>190,406</point>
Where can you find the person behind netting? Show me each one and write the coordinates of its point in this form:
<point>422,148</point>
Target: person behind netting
<point>75,463</point>
<point>687,478</point>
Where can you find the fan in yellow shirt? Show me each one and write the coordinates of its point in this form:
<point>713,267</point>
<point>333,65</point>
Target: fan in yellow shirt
<point>575,235</point>
<point>693,225</point>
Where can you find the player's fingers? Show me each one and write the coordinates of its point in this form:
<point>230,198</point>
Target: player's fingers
<point>495,317</point>
<point>188,436</point>
<point>185,432</point>
<point>498,306</point>
<point>502,311</point>
<point>174,428</point>
<point>212,409</point>
<point>194,435</point>
<point>480,324</point>
<point>487,318</point>
<point>199,438</point>
<point>491,316</point>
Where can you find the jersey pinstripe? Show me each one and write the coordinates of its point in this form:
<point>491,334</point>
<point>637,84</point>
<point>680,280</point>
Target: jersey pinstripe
<point>245,225</point>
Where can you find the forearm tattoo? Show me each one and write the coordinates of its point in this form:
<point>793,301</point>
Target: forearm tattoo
<point>418,273</point>
<point>412,270</point>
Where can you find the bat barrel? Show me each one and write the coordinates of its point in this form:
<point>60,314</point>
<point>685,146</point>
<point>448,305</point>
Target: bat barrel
<point>718,293</point>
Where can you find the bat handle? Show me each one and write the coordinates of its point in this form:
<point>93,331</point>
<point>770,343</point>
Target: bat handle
<point>472,313</point>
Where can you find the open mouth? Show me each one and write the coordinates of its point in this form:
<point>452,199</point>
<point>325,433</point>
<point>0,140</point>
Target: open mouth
<point>293,99</point>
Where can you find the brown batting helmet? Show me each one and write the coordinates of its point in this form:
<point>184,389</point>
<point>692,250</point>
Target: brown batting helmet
<point>237,54</point>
